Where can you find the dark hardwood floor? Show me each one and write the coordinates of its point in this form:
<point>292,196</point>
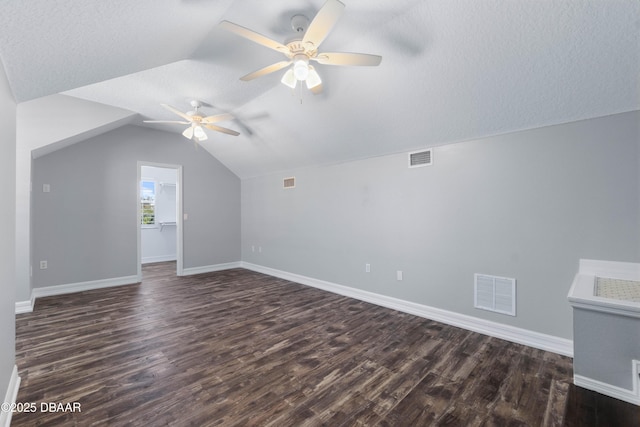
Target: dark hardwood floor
<point>238,348</point>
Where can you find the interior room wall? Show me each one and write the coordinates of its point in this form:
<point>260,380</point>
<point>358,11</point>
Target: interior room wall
<point>525,205</point>
<point>64,121</point>
<point>7,233</point>
<point>159,242</point>
<point>86,226</point>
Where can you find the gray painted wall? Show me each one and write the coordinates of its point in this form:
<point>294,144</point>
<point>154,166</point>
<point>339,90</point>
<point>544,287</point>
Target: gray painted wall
<point>600,354</point>
<point>7,231</point>
<point>65,120</point>
<point>526,205</point>
<point>86,226</point>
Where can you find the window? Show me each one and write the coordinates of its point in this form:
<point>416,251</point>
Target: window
<point>148,202</point>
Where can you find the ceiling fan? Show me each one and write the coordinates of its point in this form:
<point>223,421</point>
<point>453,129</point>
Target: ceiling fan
<point>197,121</point>
<point>303,48</point>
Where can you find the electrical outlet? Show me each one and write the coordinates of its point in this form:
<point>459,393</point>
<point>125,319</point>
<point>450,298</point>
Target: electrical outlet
<point>367,268</point>
<point>399,274</point>
<point>43,265</point>
<point>46,188</point>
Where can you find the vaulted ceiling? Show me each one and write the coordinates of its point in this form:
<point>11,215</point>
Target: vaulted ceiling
<point>451,70</point>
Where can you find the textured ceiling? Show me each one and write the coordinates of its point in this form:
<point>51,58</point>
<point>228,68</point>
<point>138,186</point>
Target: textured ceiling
<point>451,70</point>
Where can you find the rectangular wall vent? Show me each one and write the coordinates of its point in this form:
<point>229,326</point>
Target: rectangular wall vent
<point>420,158</point>
<point>495,293</point>
<point>289,182</point>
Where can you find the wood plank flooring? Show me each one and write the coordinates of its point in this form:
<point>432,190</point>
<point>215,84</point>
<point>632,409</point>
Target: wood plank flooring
<point>239,348</point>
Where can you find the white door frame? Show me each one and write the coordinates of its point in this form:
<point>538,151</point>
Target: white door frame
<point>179,215</point>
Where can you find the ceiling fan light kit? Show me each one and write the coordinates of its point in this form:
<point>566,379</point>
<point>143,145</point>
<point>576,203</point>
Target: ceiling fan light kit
<point>197,122</point>
<point>299,50</point>
<point>301,67</point>
<point>199,133</point>
<point>303,48</point>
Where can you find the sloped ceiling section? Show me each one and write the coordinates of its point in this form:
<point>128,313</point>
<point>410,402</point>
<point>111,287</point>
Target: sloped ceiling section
<point>451,70</point>
<point>56,121</point>
<point>52,46</point>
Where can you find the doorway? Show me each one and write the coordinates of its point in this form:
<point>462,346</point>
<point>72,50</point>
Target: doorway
<point>159,214</point>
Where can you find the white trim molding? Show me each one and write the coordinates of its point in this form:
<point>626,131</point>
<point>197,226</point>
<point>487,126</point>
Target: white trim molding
<point>27,306</point>
<point>210,268</point>
<point>581,295</point>
<point>629,396</point>
<point>83,286</point>
<point>611,269</point>
<point>179,215</point>
<point>526,337</point>
<point>161,258</point>
<point>10,397</point>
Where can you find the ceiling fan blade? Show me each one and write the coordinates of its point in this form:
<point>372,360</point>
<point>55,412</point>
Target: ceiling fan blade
<point>254,37</point>
<point>221,129</point>
<point>266,70</point>
<point>166,121</point>
<point>217,118</point>
<point>344,58</point>
<point>178,112</point>
<point>188,132</point>
<point>323,22</point>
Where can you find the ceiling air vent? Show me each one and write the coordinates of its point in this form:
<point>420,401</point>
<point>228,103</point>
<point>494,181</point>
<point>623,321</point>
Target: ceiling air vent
<point>289,182</point>
<point>495,293</point>
<point>420,158</point>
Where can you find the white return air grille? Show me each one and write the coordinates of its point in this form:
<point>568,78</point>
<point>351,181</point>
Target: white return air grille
<point>420,158</point>
<point>495,293</point>
<point>289,182</point>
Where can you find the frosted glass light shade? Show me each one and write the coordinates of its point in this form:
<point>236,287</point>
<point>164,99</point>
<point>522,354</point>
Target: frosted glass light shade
<point>313,79</point>
<point>289,79</point>
<point>199,133</point>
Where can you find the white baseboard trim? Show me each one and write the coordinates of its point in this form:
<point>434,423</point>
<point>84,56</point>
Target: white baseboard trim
<point>10,397</point>
<point>526,337</point>
<point>210,268</point>
<point>161,258</point>
<point>27,306</point>
<point>83,286</point>
<point>629,396</point>
<point>24,306</point>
